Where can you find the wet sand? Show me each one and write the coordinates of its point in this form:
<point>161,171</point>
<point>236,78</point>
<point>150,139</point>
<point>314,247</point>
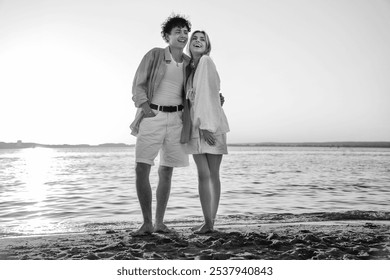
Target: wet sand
<point>341,240</point>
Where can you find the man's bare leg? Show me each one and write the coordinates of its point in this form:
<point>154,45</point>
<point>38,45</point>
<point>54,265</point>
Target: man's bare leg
<point>162,195</point>
<point>144,193</point>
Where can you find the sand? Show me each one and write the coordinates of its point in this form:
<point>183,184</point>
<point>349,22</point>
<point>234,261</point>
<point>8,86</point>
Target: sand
<point>341,240</point>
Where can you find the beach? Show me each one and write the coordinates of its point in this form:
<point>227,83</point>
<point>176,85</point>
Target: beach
<point>326,240</point>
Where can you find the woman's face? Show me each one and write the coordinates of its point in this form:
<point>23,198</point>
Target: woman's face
<point>198,44</point>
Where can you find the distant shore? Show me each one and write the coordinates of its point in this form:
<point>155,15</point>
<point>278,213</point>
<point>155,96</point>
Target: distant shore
<point>22,145</point>
<point>345,144</point>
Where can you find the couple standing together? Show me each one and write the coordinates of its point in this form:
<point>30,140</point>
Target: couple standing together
<point>179,113</point>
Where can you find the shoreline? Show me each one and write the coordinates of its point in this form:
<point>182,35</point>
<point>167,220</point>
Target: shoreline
<point>323,240</point>
<point>220,227</point>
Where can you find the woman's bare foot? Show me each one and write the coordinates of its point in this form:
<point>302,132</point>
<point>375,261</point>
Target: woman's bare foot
<point>196,228</point>
<point>204,229</point>
<point>161,228</point>
<point>145,229</point>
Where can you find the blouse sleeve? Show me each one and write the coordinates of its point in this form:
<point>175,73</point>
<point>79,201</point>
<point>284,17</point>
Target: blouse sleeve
<point>207,104</point>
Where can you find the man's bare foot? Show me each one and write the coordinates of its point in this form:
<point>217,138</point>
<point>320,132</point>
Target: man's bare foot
<point>145,229</point>
<point>161,228</point>
<point>204,229</point>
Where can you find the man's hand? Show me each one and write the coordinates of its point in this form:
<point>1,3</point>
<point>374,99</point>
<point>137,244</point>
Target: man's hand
<point>208,137</point>
<point>148,112</point>
<point>222,98</point>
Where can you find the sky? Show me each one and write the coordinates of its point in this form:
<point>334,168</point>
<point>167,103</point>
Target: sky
<point>291,71</point>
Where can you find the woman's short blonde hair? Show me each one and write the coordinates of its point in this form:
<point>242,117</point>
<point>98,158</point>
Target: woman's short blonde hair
<point>208,43</point>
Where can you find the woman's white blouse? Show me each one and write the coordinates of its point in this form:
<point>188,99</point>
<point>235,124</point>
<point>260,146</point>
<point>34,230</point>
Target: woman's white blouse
<point>206,109</point>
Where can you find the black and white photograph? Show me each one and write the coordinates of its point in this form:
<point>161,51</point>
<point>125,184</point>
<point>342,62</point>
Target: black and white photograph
<point>145,130</point>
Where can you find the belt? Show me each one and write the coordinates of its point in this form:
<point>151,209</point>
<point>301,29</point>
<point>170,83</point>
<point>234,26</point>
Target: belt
<point>168,109</point>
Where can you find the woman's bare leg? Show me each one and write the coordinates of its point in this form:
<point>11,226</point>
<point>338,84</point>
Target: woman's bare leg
<point>209,188</point>
<point>214,162</point>
<point>205,194</point>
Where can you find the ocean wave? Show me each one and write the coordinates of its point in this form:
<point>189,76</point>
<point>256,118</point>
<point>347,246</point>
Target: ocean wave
<point>314,217</point>
<point>223,220</point>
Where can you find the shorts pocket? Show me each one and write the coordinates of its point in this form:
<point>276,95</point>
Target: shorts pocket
<point>179,117</point>
<point>156,113</point>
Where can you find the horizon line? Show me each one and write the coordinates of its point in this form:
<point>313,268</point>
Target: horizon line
<point>382,144</point>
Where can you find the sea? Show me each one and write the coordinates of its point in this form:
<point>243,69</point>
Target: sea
<point>73,190</point>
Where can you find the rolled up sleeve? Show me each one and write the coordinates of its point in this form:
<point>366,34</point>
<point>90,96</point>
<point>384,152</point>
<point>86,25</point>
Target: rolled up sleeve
<point>141,80</point>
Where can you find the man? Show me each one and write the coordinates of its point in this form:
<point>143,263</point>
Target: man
<point>158,92</point>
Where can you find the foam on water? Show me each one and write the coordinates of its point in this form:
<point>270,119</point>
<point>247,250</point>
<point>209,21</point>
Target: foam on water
<point>222,221</point>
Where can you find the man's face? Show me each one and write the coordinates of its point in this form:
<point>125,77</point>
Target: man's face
<point>178,37</point>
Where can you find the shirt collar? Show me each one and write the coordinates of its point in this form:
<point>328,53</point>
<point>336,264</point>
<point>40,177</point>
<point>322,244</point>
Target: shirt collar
<point>167,55</point>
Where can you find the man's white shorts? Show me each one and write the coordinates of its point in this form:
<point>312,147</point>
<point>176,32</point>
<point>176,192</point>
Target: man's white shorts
<point>161,133</point>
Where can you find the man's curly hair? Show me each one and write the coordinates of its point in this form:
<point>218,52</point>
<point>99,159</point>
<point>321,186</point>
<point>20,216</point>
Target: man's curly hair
<point>172,22</point>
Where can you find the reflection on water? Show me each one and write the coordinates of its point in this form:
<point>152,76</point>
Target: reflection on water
<point>46,190</point>
<point>31,170</point>
<point>37,164</point>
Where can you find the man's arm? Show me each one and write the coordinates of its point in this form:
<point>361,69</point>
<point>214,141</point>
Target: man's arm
<point>140,82</point>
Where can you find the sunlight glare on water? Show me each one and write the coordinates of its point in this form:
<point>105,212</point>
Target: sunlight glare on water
<point>37,163</point>
<point>36,169</point>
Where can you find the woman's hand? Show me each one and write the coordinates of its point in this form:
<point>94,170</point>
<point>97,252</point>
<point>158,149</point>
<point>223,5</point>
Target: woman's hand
<point>208,137</point>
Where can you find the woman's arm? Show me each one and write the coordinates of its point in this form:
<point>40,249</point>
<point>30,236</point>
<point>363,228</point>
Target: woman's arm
<point>207,103</point>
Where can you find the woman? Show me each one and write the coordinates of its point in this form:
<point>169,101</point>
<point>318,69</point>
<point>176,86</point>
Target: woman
<point>207,141</point>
